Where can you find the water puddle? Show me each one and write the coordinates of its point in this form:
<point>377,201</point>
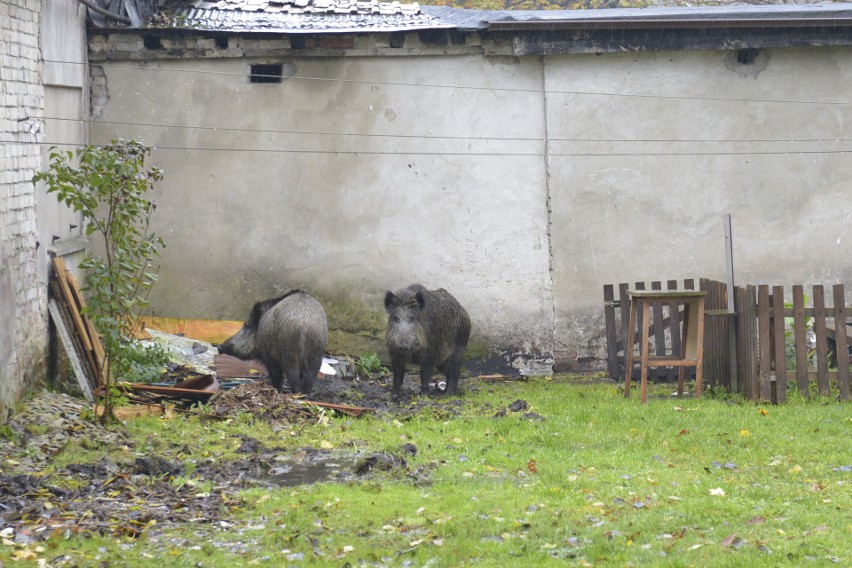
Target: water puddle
<point>317,469</point>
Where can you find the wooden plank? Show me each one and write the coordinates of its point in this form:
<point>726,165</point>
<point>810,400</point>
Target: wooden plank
<point>800,340</point>
<point>813,378</point>
<point>779,348</point>
<point>744,303</point>
<point>61,273</point>
<point>94,338</point>
<point>230,367</point>
<point>764,343</point>
<point>841,341</point>
<point>611,332</point>
<point>628,350</point>
<point>716,352</point>
<point>83,376</point>
<point>659,331</point>
<point>821,343</point>
<point>644,351</point>
<point>69,313</point>
<point>640,324</point>
<point>624,306</point>
<point>674,326</point>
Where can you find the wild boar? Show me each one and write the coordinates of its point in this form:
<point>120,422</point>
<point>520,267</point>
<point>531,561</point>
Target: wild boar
<point>429,327</point>
<point>288,334</point>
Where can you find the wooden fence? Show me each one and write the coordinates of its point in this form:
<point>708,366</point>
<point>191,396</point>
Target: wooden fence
<point>745,350</point>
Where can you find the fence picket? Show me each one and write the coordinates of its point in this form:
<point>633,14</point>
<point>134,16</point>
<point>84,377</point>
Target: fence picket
<point>659,332</point>
<point>674,327</point>
<point>780,350</point>
<point>764,343</point>
<point>624,304</point>
<point>821,343</point>
<point>746,308</point>
<point>800,345</point>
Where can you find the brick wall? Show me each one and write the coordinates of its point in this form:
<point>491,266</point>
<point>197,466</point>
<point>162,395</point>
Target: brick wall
<point>23,332</point>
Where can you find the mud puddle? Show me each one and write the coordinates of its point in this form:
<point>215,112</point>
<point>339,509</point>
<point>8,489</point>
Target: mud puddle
<point>293,472</point>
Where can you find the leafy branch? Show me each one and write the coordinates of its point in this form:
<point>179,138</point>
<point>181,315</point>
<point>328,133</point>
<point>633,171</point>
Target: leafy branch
<point>108,185</point>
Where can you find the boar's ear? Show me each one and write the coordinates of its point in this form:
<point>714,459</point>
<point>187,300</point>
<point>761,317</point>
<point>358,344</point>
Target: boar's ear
<point>391,301</point>
<point>419,300</point>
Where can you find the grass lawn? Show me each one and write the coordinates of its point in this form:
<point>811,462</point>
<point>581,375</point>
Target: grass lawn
<point>581,477</point>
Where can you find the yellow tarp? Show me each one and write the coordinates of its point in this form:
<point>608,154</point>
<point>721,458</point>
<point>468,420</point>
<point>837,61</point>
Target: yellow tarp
<point>211,331</point>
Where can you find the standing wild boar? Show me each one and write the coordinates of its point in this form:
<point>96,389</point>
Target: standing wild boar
<point>428,327</point>
<point>288,334</point>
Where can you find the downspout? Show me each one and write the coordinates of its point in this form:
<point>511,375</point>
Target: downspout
<point>95,8</point>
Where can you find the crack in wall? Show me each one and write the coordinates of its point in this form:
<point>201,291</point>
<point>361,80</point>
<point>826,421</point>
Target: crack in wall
<point>548,211</point>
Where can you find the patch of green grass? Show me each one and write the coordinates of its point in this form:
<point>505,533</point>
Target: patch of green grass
<point>600,480</point>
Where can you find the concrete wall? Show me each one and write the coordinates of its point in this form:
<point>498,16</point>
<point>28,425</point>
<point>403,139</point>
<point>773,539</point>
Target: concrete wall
<point>23,335</point>
<point>435,185</point>
<point>626,209</point>
<point>501,179</point>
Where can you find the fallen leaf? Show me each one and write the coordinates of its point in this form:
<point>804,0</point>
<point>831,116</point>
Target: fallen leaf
<point>718,491</point>
<point>531,465</point>
<point>758,520</point>
<point>763,411</point>
<point>732,540</point>
<point>745,433</point>
<point>326,445</point>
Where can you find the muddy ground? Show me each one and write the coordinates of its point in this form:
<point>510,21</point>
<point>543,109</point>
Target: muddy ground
<point>141,491</point>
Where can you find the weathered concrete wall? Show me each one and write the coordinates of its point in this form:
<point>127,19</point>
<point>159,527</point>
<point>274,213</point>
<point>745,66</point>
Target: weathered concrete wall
<point>504,180</point>
<point>23,334</point>
<point>348,184</point>
<point>643,172</point>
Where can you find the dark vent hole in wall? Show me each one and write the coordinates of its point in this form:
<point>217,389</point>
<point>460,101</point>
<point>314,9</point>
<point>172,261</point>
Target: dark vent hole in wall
<point>266,73</point>
<point>222,42</point>
<point>152,42</point>
<point>747,56</point>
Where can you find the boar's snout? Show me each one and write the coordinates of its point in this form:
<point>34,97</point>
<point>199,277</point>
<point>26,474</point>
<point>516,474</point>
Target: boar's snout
<point>227,348</point>
<point>406,346</point>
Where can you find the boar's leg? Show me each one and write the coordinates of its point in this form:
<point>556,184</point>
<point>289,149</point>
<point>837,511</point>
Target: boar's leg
<point>427,368</point>
<point>276,377</point>
<point>292,371</point>
<point>398,367</point>
<point>452,371</point>
<point>309,375</point>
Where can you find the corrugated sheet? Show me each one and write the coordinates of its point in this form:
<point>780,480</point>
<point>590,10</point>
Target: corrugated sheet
<point>294,16</point>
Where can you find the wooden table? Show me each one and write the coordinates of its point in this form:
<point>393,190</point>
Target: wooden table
<point>692,342</point>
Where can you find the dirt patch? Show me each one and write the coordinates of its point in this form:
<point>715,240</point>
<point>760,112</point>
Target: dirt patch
<point>261,399</point>
<point>148,493</point>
